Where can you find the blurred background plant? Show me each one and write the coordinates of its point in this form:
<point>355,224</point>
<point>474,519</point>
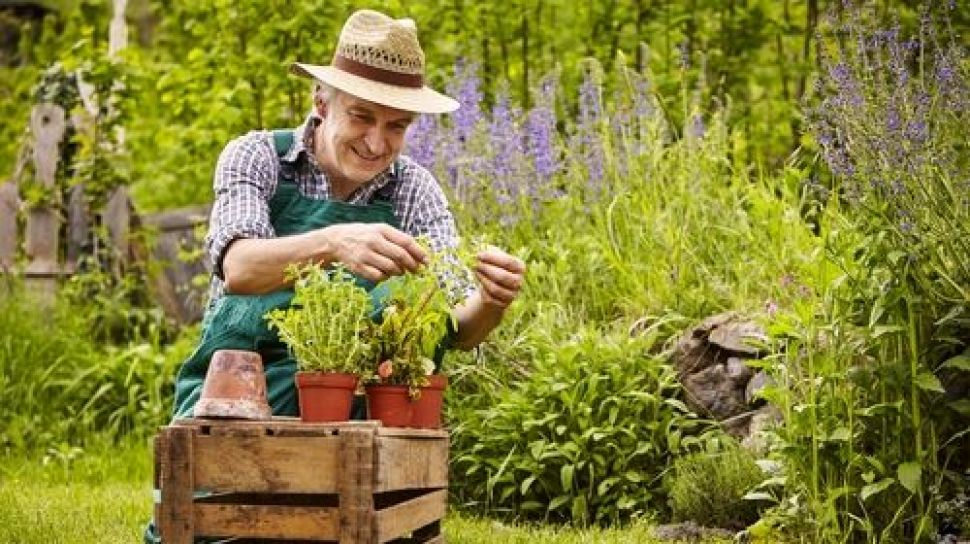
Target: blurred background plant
<point>655,163</point>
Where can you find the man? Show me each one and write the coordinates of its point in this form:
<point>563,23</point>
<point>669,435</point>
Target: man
<point>334,190</point>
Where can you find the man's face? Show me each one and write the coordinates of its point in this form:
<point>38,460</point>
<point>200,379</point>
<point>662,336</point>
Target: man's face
<point>358,139</point>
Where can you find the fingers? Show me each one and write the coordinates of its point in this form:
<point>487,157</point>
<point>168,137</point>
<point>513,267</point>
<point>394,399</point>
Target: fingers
<point>500,275</point>
<point>501,259</point>
<point>412,251</point>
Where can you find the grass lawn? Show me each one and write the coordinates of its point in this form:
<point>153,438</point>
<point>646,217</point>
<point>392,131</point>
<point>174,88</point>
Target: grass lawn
<point>103,495</point>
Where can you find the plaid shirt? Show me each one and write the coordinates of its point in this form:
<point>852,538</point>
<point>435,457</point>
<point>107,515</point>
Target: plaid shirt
<point>247,175</point>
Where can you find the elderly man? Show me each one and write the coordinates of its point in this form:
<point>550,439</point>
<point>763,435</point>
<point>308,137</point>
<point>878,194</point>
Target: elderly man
<point>336,189</point>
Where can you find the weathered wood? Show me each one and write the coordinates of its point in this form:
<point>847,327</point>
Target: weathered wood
<point>117,217</point>
<point>393,521</point>
<point>9,204</point>
<point>357,486</point>
<point>118,29</point>
<point>47,127</point>
<point>172,282</point>
<point>43,223</point>
<point>175,521</point>
<point>78,228</point>
<point>267,464</point>
<point>411,463</point>
<point>266,521</point>
<point>316,483</point>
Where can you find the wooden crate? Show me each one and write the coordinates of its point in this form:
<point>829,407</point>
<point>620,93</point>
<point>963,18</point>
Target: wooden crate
<point>351,482</point>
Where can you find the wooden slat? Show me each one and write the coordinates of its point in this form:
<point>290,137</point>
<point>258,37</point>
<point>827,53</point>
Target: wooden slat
<point>78,229</point>
<point>274,464</point>
<point>357,485</point>
<point>411,463</point>
<point>9,204</point>
<point>395,521</point>
<point>404,432</point>
<point>47,126</point>
<point>117,217</point>
<point>266,521</point>
<point>180,219</point>
<point>174,514</point>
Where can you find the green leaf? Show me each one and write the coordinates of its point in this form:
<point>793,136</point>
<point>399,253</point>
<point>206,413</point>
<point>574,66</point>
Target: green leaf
<point>909,475</point>
<point>927,381</point>
<point>962,406</point>
<point>842,434</point>
<point>557,502</point>
<point>960,362</point>
<point>526,484</point>
<point>876,488</point>
<point>566,476</point>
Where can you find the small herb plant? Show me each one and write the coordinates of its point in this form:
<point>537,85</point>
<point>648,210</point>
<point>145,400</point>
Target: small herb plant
<point>328,325</point>
<point>416,317</point>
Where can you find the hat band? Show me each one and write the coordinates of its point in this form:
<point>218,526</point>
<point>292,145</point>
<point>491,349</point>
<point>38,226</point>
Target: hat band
<point>367,71</point>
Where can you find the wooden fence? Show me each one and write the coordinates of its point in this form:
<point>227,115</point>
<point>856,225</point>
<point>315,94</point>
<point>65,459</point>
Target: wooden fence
<point>48,260</point>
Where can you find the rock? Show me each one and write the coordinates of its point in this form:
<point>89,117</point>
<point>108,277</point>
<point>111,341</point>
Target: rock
<point>757,383</point>
<point>689,532</point>
<point>738,371</point>
<point>712,365</point>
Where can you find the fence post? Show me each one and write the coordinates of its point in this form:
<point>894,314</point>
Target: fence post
<point>9,203</point>
<point>43,222</point>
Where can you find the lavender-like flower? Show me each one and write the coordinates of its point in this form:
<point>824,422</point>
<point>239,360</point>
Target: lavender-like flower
<point>423,139</point>
<point>541,131</point>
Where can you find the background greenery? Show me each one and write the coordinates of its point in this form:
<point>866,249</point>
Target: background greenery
<point>655,163</point>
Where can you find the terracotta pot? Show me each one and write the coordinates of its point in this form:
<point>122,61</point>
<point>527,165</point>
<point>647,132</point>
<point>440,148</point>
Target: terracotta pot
<point>426,412</point>
<point>325,396</point>
<point>391,404</point>
<point>234,387</point>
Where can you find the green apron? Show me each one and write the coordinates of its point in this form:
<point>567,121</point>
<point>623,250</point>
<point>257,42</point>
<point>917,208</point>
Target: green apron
<point>236,321</point>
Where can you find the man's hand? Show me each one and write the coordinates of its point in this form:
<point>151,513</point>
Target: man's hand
<point>500,275</point>
<point>374,251</point>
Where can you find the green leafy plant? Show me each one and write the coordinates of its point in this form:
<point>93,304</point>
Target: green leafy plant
<point>328,323</point>
<point>416,318</point>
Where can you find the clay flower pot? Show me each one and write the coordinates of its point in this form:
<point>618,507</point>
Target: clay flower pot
<point>325,396</point>
<point>426,413</point>
<point>234,387</point>
<point>391,404</point>
<point>394,407</point>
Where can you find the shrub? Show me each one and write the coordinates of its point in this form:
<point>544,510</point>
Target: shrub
<point>709,488</point>
<point>585,436</point>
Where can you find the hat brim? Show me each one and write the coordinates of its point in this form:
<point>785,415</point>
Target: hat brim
<point>418,100</point>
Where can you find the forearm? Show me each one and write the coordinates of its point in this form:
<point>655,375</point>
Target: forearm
<point>254,266</point>
<point>476,319</point>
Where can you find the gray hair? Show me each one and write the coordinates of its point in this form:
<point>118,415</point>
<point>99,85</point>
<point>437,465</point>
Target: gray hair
<point>322,91</point>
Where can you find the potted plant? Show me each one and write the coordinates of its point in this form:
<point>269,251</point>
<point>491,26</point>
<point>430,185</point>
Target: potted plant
<point>403,390</point>
<point>327,329</point>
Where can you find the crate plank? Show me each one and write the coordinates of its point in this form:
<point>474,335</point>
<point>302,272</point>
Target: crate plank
<point>411,464</point>
<point>357,485</point>
<point>174,514</point>
<point>266,521</point>
<point>238,464</point>
<point>407,516</point>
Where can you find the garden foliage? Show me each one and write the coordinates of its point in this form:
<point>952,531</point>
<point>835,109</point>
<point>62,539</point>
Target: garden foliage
<point>630,184</point>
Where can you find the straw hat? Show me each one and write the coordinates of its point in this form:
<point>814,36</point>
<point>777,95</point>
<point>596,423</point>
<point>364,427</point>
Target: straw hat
<point>379,59</point>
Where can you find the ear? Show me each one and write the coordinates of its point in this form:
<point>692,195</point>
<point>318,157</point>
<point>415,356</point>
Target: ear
<point>321,106</point>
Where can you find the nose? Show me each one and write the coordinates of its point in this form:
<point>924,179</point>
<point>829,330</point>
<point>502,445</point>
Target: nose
<point>376,141</point>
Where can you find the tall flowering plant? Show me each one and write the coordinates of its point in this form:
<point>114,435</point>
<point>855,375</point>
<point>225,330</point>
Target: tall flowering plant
<point>893,127</point>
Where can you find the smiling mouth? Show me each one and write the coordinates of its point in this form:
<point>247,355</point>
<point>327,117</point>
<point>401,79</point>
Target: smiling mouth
<point>366,158</point>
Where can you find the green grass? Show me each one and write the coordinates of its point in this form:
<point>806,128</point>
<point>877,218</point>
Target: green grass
<point>103,495</point>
